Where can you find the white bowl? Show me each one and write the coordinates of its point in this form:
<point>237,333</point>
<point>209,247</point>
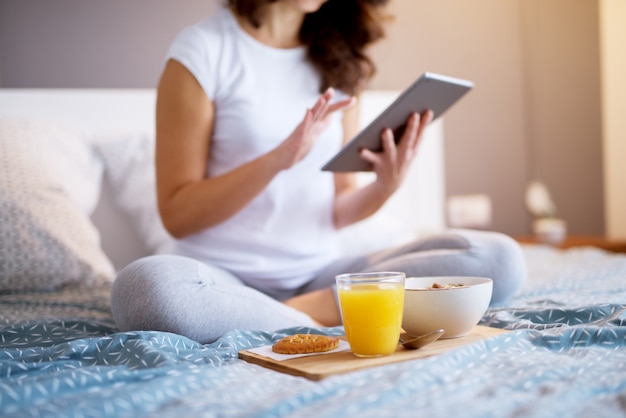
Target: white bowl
<point>457,310</point>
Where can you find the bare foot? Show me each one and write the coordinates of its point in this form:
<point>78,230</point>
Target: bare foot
<point>319,305</point>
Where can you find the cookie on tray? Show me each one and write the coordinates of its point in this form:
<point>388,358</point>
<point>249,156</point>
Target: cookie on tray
<point>305,343</point>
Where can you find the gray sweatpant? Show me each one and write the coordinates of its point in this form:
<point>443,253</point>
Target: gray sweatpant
<point>181,295</point>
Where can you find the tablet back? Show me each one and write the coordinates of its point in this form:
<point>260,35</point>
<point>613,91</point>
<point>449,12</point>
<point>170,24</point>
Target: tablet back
<point>429,91</point>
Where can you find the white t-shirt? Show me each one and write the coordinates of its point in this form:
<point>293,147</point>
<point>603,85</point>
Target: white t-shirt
<point>285,235</point>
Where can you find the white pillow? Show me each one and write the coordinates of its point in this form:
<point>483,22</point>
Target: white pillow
<point>50,181</point>
<point>129,167</point>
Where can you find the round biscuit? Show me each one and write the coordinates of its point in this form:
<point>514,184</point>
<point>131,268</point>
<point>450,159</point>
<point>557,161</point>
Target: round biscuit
<point>305,343</point>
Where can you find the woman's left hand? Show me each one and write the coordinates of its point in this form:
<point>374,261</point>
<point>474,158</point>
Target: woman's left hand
<point>393,162</point>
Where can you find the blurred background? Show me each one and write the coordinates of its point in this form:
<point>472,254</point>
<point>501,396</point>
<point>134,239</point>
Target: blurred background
<point>547,105</point>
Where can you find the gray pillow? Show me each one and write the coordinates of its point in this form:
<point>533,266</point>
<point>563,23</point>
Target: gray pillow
<point>50,178</point>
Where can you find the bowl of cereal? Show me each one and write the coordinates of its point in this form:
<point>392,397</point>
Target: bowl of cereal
<point>452,303</point>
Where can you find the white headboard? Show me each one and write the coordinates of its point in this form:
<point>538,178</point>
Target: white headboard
<point>417,208</point>
<point>105,110</point>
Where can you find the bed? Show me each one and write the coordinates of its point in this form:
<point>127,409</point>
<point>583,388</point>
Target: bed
<point>77,204</point>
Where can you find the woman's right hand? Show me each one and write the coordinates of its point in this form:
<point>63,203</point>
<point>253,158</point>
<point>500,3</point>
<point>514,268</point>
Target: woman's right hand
<point>303,138</point>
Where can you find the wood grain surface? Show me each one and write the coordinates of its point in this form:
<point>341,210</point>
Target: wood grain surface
<point>320,366</point>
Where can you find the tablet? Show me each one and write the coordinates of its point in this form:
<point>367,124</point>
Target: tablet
<point>430,91</point>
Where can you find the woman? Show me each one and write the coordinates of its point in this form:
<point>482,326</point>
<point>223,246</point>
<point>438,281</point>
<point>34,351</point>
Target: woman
<point>251,103</point>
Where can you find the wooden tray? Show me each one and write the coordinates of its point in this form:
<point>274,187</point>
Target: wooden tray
<point>321,366</point>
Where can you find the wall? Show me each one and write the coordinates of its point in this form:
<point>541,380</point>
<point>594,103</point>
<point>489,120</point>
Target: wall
<point>563,107</point>
<point>515,125</point>
<point>613,60</point>
<point>77,43</point>
<point>485,150</point>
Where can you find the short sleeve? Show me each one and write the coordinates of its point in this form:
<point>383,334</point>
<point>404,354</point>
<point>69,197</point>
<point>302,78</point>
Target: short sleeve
<point>197,49</point>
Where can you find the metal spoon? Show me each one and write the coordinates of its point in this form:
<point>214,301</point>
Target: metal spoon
<point>412,342</point>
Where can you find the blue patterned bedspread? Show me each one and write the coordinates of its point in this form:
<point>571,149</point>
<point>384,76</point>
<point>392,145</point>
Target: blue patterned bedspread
<point>564,357</point>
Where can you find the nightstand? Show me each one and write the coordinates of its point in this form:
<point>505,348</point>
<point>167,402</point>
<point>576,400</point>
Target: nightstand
<point>618,246</point>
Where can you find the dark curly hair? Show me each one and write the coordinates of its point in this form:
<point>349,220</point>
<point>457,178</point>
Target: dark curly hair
<point>336,37</point>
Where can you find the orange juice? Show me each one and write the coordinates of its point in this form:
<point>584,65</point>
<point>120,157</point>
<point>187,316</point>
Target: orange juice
<point>372,316</point>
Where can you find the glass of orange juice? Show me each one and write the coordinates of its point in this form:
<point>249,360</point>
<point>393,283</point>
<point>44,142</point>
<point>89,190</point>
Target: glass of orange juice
<point>371,307</point>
